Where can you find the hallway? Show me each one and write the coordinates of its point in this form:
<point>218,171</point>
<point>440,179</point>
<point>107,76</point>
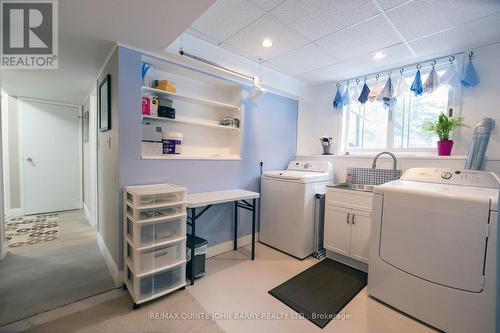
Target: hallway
<point>39,277</point>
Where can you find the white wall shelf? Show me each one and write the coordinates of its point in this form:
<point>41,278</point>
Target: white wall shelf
<point>200,102</point>
<point>205,123</point>
<point>183,97</point>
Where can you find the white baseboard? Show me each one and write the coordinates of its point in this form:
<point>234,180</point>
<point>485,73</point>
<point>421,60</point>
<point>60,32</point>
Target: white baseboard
<point>116,274</point>
<point>347,261</point>
<point>14,212</point>
<point>228,246</point>
<point>87,214</point>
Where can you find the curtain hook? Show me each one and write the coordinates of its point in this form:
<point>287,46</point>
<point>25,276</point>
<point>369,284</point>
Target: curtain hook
<point>365,79</point>
<point>470,55</point>
<point>377,76</point>
<point>338,85</point>
<point>348,83</point>
<point>357,81</point>
<point>433,63</point>
<point>390,72</point>
<point>452,58</point>
<point>418,66</point>
<point>402,70</point>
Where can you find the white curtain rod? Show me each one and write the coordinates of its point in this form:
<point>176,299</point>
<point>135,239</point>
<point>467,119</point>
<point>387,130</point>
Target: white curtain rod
<point>376,75</point>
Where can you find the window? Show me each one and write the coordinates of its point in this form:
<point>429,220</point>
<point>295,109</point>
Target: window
<point>370,126</point>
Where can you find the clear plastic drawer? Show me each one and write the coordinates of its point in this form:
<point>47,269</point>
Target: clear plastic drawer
<point>149,234</point>
<point>152,200</point>
<point>157,258</point>
<point>147,287</point>
<point>144,214</point>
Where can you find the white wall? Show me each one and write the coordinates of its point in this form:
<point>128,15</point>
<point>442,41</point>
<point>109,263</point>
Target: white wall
<point>318,117</point>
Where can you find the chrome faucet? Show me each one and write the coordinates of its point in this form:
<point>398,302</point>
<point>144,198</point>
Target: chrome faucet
<point>395,164</point>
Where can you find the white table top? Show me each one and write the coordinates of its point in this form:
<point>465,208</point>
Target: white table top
<point>203,199</point>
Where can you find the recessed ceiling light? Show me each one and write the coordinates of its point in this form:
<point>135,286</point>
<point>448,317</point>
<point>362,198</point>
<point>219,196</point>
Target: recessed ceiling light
<point>267,43</point>
<point>378,55</point>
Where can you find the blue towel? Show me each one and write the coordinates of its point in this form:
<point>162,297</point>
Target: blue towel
<point>470,78</point>
<point>416,86</point>
<point>363,97</point>
<point>337,101</point>
<point>145,68</point>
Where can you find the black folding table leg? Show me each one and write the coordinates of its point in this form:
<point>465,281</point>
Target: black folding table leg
<point>253,228</point>
<point>193,233</point>
<point>235,240</point>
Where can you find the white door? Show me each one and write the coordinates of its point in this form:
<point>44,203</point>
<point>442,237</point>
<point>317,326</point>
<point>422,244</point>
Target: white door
<point>50,162</point>
<point>337,234</point>
<point>360,235</point>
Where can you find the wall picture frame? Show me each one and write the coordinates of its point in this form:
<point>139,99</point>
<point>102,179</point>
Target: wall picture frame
<point>104,104</point>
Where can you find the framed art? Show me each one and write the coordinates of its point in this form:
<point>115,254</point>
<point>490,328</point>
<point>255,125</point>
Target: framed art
<point>104,104</point>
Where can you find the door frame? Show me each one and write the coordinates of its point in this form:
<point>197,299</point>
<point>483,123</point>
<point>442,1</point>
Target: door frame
<point>21,147</point>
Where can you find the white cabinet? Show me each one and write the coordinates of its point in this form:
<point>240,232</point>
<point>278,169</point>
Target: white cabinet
<point>337,230</point>
<point>348,223</point>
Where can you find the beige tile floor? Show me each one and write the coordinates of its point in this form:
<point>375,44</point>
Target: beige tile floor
<point>233,285</point>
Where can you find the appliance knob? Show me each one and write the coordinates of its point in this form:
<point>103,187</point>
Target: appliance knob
<point>446,175</point>
<point>307,165</point>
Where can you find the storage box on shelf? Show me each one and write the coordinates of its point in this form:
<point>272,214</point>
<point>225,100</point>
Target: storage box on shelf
<point>201,102</point>
<point>155,240</point>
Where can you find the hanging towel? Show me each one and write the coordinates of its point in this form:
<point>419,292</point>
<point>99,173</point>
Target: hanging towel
<point>337,101</point>
<point>402,87</point>
<point>144,71</point>
<point>363,96</point>
<point>432,81</point>
<point>346,97</point>
<point>354,94</point>
<point>375,91</point>
<point>387,94</point>
<point>470,77</point>
<point>450,77</point>
<point>416,87</point>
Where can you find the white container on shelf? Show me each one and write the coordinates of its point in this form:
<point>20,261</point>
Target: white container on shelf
<point>172,143</point>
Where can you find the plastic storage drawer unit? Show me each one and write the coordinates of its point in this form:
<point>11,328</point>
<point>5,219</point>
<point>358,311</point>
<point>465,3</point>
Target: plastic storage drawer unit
<point>157,233</point>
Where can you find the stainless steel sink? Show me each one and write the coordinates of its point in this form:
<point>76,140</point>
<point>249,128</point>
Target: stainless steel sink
<point>354,187</point>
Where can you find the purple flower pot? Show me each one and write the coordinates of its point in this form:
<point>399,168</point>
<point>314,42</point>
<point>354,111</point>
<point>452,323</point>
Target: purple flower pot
<point>444,147</point>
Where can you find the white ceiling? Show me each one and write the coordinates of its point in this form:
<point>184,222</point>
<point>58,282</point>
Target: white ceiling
<point>88,30</point>
<point>325,40</point>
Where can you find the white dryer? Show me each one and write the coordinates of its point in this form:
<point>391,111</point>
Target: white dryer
<point>287,205</point>
<point>433,251</point>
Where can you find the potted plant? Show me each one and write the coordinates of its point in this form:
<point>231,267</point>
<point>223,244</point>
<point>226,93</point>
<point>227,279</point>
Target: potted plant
<point>327,143</point>
<point>442,127</point>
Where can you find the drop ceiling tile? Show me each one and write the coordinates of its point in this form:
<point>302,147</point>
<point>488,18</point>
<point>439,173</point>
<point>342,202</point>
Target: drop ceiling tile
<point>396,56</point>
<point>226,17</point>
<point>317,18</point>
<point>366,37</point>
<point>248,40</point>
<point>481,32</point>
<point>268,5</point>
<point>423,17</point>
<point>302,60</point>
<point>387,4</point>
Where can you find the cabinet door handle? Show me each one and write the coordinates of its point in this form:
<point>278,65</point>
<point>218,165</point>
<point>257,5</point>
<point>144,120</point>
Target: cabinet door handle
<point>347,219</point>
<point>352,219</point>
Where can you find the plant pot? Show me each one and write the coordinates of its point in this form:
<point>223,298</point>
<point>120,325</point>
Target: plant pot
<point>327,149</point>
<point>444,147</point>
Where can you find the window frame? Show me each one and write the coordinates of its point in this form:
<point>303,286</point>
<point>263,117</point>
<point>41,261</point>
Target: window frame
<point>454,98</point>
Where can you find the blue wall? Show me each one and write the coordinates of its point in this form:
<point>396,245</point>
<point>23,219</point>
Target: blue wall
<point>270,135</point>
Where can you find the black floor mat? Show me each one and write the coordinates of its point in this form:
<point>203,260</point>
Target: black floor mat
<point>320,292</point>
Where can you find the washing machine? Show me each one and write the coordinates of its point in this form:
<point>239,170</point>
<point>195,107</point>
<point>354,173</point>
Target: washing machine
<point>433,250</point>
<point>287,205</point>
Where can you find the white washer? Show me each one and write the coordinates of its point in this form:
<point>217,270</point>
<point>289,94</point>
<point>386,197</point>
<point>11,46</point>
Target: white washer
<point>287,205</point>
<point>433,251</point>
